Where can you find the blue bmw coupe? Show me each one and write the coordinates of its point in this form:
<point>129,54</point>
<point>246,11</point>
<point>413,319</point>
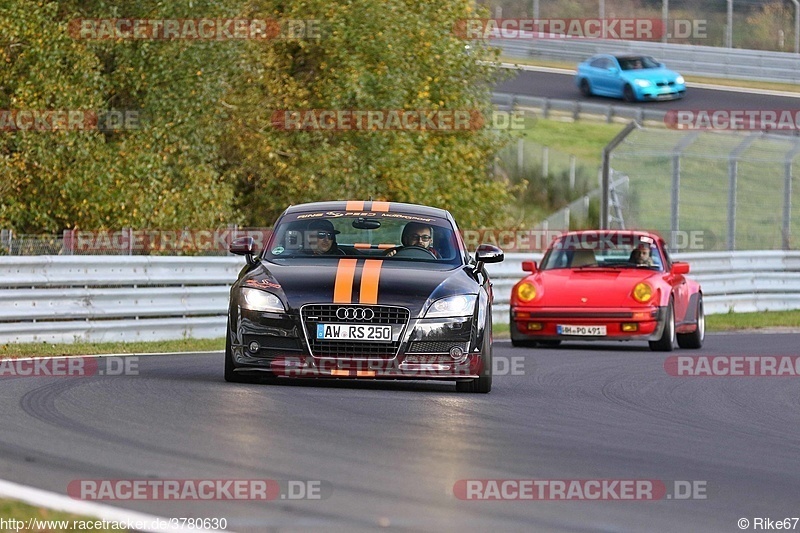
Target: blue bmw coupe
<point>630,77</point>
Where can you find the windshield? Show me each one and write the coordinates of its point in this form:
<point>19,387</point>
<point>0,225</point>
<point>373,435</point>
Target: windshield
<point>637,63</point>
<point>603,251</point>
<point>395,236</point>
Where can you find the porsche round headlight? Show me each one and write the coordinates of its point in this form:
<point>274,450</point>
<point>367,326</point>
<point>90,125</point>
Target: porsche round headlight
<point>526,292</point>
<point>642,292</point>
<point>679,80</point>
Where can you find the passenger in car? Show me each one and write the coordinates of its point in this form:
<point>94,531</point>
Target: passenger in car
<point>322,238</point>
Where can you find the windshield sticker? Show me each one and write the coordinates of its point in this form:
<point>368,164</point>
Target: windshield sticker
<point>278,250</point>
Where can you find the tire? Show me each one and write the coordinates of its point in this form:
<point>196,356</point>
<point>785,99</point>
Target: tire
<point>483,384</point>
<point>667,340</point>
<point>586,89</point>
<point>628,94</point>
<point>694,340</point>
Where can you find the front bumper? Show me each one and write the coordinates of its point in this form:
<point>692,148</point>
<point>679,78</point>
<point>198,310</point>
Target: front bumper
<point>541,323</point>
<point>280,345</point>
<point>667,92</point>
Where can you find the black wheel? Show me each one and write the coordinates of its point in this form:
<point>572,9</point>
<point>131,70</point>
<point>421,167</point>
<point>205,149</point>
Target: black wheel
<point>483,384</point>
<point>627,94</point>
<point>550,344</point>
<point>667,340</point>
<point>586,89</point>
<point>694,340</point>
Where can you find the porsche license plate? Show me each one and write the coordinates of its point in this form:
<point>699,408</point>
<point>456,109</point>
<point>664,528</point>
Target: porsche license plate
<point>583,331</point>
<point>354,332</point>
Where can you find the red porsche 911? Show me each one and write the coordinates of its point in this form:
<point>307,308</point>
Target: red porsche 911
<point>607,285</point>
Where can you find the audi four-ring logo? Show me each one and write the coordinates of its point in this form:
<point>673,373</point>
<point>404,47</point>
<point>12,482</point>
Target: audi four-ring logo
<point>355,313</point>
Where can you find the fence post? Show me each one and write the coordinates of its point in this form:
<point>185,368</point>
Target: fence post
<point>545,161</point>
<point>520,155</point>
<point>787,197</point>
<point>606,170</point>
<point>733,172</point>
<point>572,159</point>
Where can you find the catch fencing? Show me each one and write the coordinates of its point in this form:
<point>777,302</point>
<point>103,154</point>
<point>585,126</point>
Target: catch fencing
<point>735,188</point>
<point>145,298</point>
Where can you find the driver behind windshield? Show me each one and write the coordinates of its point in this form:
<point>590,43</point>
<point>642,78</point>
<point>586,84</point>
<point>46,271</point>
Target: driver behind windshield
<point>417,234</point>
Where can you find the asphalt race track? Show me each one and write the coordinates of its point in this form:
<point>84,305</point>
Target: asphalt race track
<point>562,87</point>
<point>390,454</point>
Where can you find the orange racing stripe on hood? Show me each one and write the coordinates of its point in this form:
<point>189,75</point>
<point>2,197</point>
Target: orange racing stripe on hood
<point>370,276</point>
<point>343,287</point>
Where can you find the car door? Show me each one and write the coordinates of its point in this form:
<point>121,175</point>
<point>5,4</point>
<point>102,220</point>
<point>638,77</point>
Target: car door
<point>680,291</point>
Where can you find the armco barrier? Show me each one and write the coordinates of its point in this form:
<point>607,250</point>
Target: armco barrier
<point>126,298</point>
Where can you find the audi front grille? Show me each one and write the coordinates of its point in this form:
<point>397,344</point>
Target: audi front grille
<point>311,315</point>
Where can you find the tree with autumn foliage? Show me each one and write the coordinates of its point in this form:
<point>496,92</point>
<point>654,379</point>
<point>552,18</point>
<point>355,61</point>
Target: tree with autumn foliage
<point>372,55</point>
<point>204,153</point>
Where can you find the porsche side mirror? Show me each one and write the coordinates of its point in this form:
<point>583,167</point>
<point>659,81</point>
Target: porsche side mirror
<point>529,266</point>
<point>679,267</point>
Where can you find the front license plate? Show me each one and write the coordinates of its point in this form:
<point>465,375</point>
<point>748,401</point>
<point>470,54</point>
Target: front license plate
<point>583,331</point>
<point>354,332</point>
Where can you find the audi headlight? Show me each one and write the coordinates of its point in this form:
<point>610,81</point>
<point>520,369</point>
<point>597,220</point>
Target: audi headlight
<point>452,306</point>
<point>642,292</point>
<point>679,80</point>
<point>258,300</point>
<point>642,83</point>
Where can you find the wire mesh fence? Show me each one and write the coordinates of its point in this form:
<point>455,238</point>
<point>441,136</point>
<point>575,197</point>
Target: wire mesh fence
<point>737,189</point>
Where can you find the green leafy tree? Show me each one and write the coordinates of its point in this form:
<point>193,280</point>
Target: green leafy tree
<point>372,55</point>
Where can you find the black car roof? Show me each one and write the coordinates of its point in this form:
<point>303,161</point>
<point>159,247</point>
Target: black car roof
<point>368,205</point>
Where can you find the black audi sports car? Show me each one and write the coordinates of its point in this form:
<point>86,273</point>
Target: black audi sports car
<point>362,290</point>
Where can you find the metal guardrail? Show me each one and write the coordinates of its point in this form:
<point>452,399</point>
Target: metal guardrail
<point>113,298</point>
<point>729,63</point>
<point>548,107</point>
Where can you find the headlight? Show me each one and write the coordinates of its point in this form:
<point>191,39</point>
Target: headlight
<point>526,292</point>
<point>642,292</point>
<point>642,83</point>
<point>679,80</point>
<point>258,300</point>
<point>452,306</point>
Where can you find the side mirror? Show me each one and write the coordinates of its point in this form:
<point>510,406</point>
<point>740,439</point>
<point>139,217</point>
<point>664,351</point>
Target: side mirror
<point>245,246</point>
<point>487,253</point>
<point>529,266</point>
<point>679,267</point>
<point>613,70</point>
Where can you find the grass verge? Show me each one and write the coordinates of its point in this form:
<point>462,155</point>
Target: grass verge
<point>48,520</point>
<point>41,349</point>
